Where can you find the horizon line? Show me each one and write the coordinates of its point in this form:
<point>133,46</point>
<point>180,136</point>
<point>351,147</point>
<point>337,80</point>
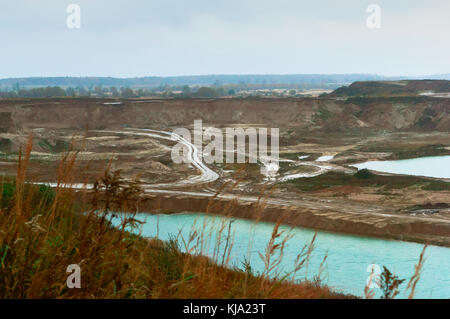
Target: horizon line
<point>225,74</point>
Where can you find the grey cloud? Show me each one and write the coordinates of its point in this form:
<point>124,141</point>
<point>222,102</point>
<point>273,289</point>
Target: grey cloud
<point>137,37</point>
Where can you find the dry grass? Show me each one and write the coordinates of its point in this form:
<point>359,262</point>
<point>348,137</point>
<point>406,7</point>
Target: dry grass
<point>44,230</point>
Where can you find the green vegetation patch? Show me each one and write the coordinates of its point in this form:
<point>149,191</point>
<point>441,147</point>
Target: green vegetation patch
<point>365,178</point>
<point>286,168</point>
<point>5,145</point>
<point>43,196</point>
<point>60,146</point>
<point>324,113</point>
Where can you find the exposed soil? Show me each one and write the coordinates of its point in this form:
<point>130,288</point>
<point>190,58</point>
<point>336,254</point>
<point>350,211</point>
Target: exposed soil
<point>352,130</point>
<point>292,116</point>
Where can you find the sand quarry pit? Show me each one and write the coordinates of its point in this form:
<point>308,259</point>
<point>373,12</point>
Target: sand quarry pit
<point>322,194</point>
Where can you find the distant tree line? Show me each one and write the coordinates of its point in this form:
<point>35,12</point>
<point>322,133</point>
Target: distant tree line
<point>163,91</point>
<point>201,80</point>
<point>54,91</point>
<point>124,92</point>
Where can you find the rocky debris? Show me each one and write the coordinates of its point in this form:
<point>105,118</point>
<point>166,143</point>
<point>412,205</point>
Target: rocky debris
<point>426,209</point>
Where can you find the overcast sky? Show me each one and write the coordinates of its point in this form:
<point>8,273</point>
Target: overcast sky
<point>126,38</point>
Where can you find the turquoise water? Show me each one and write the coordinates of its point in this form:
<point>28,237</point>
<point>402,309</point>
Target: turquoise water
<point>347,264</point>
<point>434,166</point>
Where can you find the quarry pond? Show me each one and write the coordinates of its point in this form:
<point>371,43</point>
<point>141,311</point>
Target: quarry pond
<point>347,268</point>
<point>433,166</point>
